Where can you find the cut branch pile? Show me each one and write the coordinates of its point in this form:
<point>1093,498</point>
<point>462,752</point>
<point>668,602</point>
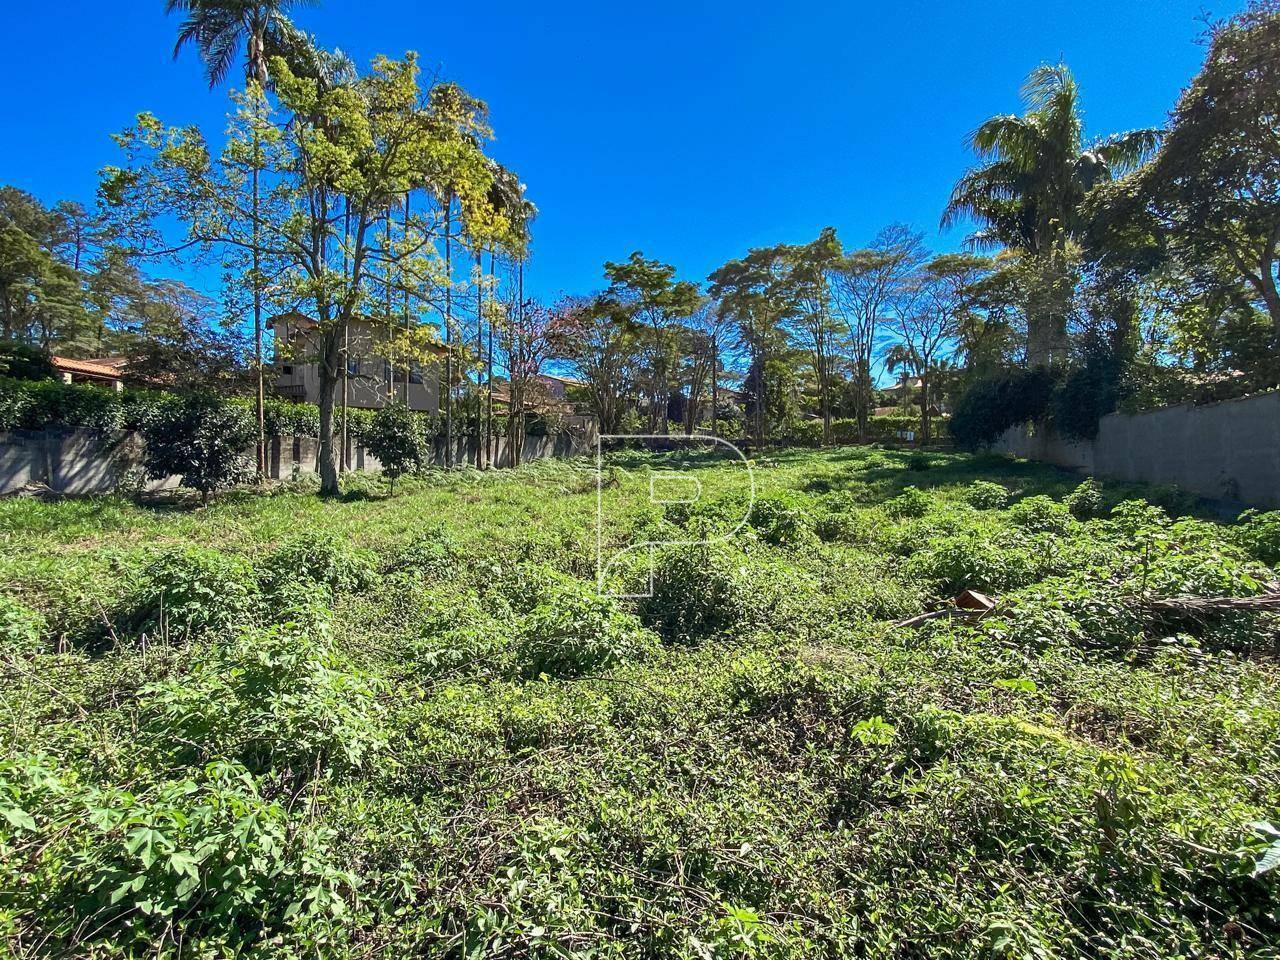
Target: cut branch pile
<point>973,606</point>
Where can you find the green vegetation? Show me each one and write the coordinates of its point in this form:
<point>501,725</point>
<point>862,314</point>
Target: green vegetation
<point>284,726</point>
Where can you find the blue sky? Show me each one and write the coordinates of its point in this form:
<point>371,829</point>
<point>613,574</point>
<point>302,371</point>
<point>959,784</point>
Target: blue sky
<point>689,130</point>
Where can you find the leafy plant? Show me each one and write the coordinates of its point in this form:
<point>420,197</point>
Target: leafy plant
<point>200,439</point>
<point>187,591</point>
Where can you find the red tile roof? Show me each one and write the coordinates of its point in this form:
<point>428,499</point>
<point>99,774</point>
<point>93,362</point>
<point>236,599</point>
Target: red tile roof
<point>109,368</point>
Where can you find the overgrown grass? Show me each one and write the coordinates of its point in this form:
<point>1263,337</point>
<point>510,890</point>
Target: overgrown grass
<point>286,726</point>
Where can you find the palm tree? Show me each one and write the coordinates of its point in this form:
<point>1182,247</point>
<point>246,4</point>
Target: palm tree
<point>1035,172</point>
<point>219,29</point>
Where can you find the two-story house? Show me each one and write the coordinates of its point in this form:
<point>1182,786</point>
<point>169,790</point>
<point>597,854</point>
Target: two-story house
<point>370,376</point>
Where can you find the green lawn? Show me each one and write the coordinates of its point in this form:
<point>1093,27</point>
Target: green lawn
<point>285,726</point>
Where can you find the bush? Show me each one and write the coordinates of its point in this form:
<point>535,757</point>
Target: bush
<point>206,851</point>
<point>912,502</point>
<point>1259,533</point>
<point>985,495</point>
<point>395,438</point>
<point>990,407</point>
<point>21,628</point>
<point>963,562</point>
<point>782,519</point>
<point>194,590</point>
<point>314,561</point>
<point>200,439</point>
<point>275,698</point>
<point>574,630</point>
<point>1085,501</point>
<point>433,553</point>
<point>699,591</point>
<point>1041,514</point>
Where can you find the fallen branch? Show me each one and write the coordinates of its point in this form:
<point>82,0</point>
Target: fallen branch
<point>1205,606</point>
<point>971,606</point>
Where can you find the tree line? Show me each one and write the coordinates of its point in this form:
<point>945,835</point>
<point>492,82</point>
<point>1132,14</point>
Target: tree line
<point>1101,273</point>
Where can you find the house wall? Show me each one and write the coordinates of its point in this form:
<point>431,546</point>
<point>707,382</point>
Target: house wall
<point>367,388</point>
<point>1223,451</point>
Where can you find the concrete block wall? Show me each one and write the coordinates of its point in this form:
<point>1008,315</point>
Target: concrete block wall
<point>80,462</point>
<point>1223,451</point>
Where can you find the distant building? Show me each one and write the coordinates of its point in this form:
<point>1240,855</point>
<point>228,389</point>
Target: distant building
<point>101,371</point>
<point>369,374</point>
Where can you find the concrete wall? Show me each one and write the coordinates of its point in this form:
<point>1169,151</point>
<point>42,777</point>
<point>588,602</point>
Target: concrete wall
<point>80,462</point>
<point>1224,451</point>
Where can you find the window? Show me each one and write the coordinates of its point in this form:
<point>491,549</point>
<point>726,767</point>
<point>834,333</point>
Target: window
<point>415,373</point>
<point>353,366</point>
<point>287,370</point>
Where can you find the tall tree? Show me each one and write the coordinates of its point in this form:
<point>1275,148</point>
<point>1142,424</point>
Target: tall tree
<point>865,284</point>
<point>219,30</point>
<point>646,293</point>
<point>930,319</point>
<point>1212,193</point>
<point>377,141</point>
<point>811,267</point>
<point>1034,174</point>
<point>757,295</point>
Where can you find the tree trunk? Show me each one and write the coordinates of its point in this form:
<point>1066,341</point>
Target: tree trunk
<point>715,385</point>
<point>331,341</point>
<point>924,408</point>
<point>260,400</point>
<point>448,332</point>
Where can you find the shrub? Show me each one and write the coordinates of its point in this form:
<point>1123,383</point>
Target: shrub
<point>985,495</point>
<point>272,698</point>
<point>1085,501</point>
<point>433,553</point>
<point>1041,514</point>
<point>963,562</point>
<point>781,519</point>
<point>201,439</point>
<point>192,590</point>
<point>574,630</point>
<point>311,561</point>
<point>120,867</point>
<point>1259,533</point>
<point>395,437</point>
<point>990,407</point>
<point>699,591</point>
<point>21,628</point>
<point>912,502</point>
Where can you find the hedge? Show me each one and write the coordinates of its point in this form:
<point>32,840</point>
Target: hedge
<point>39,405</point>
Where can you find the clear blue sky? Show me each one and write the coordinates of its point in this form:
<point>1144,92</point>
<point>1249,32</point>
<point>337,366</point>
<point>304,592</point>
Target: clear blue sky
<point>689,130</point>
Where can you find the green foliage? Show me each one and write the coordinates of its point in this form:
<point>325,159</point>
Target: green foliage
<point>912,502</point>
<point>309,562</point>
<point>22,629</point>
<point>274,699</point>
<point>190,590</point>
<point>573,630</point>
<point>1259,533</point>
<point>990,407</point>
<point>985,495</point>
<point>21,361</point>
<point>395,437</point>
<point>699,592</point>
<point>1085,501</point>
<point>781,519</point>
<point>199,438</point>
<point>122,866</point>
<point>473,752</point>
<point>1041,514</point>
